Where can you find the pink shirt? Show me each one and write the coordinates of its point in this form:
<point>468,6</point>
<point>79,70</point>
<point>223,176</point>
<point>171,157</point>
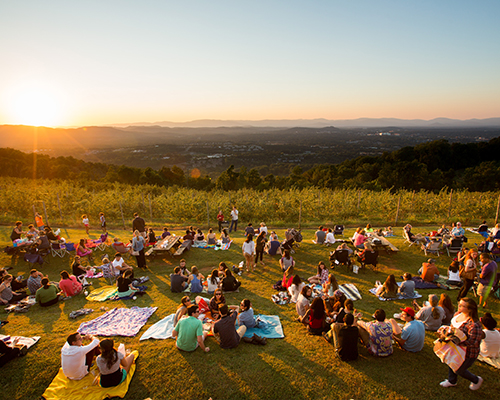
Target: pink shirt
<point>70,286</point>
<point>360,239</point>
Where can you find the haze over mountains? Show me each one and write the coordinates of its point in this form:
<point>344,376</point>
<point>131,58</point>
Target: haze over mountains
<point>322,122</point>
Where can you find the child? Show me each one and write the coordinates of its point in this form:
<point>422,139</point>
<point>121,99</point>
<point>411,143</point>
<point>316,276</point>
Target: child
<point>454,274</point>
<point>103,222</point>
<point>85,222</point>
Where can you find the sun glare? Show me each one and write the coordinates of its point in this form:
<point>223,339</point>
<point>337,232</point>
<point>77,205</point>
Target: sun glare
<point>35,106</point>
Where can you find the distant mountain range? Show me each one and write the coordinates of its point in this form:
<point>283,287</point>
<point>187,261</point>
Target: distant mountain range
<point>322,122</point>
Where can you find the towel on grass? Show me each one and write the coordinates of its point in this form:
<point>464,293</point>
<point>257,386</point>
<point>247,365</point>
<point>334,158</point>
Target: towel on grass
<point>28,341</point>
<point>118,322</point>
<point>351,291</point>
<point>102,294</point>
<point>439,284</point>
<point>203,245</point>
<point>374,292</point>
<point>161,330</point>
<point>223,246</point>
<point>272,330</point>
<point>63,388</point>
<point>494,362</point>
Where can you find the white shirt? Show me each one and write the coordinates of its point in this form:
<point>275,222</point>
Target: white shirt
<point>234,215</point>
<point>249,247</point>
<point>330,238</point>
<point>490,345</point>
<point>115,263</point>
<point>295,291</point>
<point>73,359</point>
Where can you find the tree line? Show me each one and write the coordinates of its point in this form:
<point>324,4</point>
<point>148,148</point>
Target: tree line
<point>428,166</point>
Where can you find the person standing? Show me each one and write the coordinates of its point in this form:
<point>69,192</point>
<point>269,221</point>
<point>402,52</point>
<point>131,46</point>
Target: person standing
<point>234,220</point>
<point>220,219</point>
<point>138,243</point>
<point>467,321</point>
<point>102,219</point>
<point>138,224</point>
<point>40,225</point>
<point>486,278</point>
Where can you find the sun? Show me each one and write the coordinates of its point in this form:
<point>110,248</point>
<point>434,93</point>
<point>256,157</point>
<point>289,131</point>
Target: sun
<point>35,106</point>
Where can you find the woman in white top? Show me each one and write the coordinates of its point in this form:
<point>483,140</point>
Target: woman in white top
<point>454,274</point>
<point>213,281</point>
<point>249,252</point>
<point>490,345</point>
<point>295,288</point>
<point>263,227</point>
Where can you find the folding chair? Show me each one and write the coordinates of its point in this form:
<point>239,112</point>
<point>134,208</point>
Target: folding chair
<point>58,249</point>
<point>408,238</point>
<point>102,242</point>
<point>340,257</point>
<point>370,258</point>
<point>455,246</point>
<point>107,273</point>
<point>432,247</point>
<point>339,230</point>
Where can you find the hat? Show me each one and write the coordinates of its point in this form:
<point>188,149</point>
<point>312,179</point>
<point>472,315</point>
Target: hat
<point>488,321</point>
<point>431,261</point>
<point>410,311</point>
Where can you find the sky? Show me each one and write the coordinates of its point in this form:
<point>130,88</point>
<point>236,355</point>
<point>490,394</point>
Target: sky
<point>78,63</point>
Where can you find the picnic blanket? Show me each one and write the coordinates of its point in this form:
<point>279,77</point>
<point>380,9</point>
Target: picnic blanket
<point>28,341</point>
<point>439,284</point>
<point>102,294</point>
<point>203,245</point>
<point>223,246</point>
<point>351,291</point>
<point>63,388</point>
<point>161,330</point>
<point>374,292</point>
<point>118,322</point>
<point>495,362</point>
<point>272,330</point>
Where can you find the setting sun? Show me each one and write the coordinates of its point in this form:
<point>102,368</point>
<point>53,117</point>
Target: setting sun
<point>35,106</point>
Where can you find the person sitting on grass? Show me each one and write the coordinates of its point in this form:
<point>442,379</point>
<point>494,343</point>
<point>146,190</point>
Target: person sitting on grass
<point>295,288</point>
<point>490,345</point>
<point>213,281</point>
<point>229,282</point>
<point>449,310</point>
<point>217,299</point>
<point>347,309</point>
<point>211,237</point>
<point>407,288</point>
<point>83,251</point>
<point>249,230</point>
<point>330,237</point>
<point>199,236</point>
<point>178,282</point>
<point>246,315</point>
<point>222,270</point>
<point>432,315</point>
<point>389,290</point>
<point>189,332</point>
<point>125,285</point>
<point>7,296</point>
<point>345,338</point>
<point>110,363</point>
<point>224,236</point>
<point>120,266</point>
<point>273,246</point>
<point>229,336</point>
<point>69,285</point>
<point>196,280</point>
<point>303,302</point>
<point>182,309</point>
<point>429,271</point>
<point>19,284</point>
<point>34,281</point>
<point>319,236</point>
<point>287,278</point>
<point>286,261</point>
<point>322,275</point>
<point>411,337</point>
<point>48,294</point>
<point>76,359</point>
<point>330,286</point>
<point>377,335</point>
<point>315,317</point>
<point>454,274</point>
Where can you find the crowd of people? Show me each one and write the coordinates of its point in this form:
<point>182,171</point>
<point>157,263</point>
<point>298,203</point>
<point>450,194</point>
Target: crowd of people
<point>321,306</point>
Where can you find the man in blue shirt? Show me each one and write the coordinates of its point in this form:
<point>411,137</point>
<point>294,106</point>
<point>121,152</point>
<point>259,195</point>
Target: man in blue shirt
<point>411,337</point>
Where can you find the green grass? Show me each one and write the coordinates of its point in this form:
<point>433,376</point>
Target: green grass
<point>296,367</point>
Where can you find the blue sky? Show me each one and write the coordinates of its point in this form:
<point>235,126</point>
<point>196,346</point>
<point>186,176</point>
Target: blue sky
<point>102,62</point>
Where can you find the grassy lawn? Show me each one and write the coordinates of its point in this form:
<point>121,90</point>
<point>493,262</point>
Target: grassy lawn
<point>296,367</point>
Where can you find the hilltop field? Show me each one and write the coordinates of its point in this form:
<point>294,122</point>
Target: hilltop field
<point>299,366</point>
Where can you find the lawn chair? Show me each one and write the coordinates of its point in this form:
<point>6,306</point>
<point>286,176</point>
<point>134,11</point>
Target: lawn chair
<point>370,258</point>
<point>58,249</point>
<point>432,247</point>
<point>108,273</point>
<point>339,230</point>
<point>340,257</point>
<point>408,239</point>
<point>121,248</point>
<point>102,242</point>
<point>455,246</point>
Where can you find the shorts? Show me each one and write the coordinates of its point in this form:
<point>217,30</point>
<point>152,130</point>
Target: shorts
<point>482,290</point>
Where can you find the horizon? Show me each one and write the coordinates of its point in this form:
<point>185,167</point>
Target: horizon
<point>93,63</point>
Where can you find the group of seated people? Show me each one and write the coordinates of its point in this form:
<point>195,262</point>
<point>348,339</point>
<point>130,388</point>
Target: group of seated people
<point>193,281</point>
